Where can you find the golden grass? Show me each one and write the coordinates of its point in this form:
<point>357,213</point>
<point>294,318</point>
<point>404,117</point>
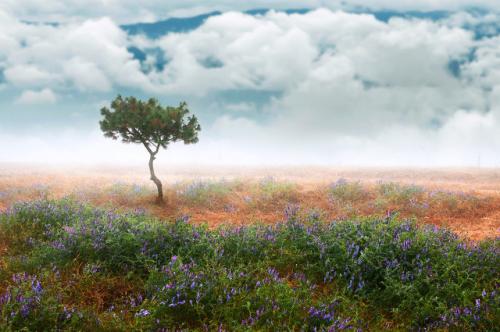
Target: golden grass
<point>465,200</point>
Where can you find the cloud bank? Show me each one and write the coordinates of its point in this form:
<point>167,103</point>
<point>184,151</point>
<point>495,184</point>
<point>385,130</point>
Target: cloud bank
<point>124,11</point>
<point>324,87</point>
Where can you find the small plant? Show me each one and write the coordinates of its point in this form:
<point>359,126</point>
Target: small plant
<point>26,304</point>
<point>400,194</point>
<point>344,191</point>
<point>271,189</point>
<point>205,193</point>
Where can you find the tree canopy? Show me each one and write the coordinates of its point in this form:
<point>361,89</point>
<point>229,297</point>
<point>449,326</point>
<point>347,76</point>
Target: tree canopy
<point>149,123</point>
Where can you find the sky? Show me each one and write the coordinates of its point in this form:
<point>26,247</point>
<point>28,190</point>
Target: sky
<point>342,83</point>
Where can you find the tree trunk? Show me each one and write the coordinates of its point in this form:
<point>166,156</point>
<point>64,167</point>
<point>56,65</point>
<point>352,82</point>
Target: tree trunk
<point>157,181</point>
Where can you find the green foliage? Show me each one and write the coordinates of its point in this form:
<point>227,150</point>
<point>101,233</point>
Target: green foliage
<point>271,189</point>
<point>344,191</point>
<point>120,189</point>
<point>458,203</point>
<point>272,194</point>
<point>205,193</point>
<point>400,194</point>
<point>149,123</point>
<point>375,273</point>
<point>28,305</point>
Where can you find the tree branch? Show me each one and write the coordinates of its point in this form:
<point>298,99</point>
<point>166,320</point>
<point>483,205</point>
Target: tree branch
<point>157,148</point>
<point>147,147</point>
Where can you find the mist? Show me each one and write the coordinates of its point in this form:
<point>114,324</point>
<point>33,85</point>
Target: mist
<point>318,87</point>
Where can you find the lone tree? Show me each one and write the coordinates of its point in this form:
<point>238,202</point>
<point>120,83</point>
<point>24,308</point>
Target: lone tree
<point>150,124</point>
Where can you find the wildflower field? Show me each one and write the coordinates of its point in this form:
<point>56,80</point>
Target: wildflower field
<point>343,256</point>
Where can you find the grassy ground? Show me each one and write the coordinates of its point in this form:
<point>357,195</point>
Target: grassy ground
<point>466,201</point>
<point>70,266</point>
<point>235,250</point>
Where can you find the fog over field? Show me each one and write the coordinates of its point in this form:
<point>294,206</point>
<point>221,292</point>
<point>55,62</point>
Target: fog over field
<point>367,83</point>
<point>262,165</point>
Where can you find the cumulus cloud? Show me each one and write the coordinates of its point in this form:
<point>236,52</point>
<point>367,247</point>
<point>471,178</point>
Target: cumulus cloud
<point>86,75</point>
<point>27,75</point>
<point>337,71</point>
<point>403,5</point>
<point>277,51</point>
<point>30,97</point>
<point>338,87</point>
<point>90,56</point>
<point>360,92</point>
<point>150,10</point>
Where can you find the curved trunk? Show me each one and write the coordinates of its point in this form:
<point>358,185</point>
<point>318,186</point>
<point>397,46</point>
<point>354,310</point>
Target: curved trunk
<point>157,181</point>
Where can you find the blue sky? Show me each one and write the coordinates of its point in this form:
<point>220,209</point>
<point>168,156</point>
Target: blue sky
<point>372,83</point>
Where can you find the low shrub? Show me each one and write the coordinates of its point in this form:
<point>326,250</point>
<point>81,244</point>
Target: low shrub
<point>344,191</point>
<point>205,193</point>
<point>269,189</point>
<point>300,274</point>
<point>400,194</point>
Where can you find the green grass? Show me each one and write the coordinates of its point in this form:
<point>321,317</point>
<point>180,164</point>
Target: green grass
<point>344,191</point>
<point>73,267</point>
<point>400,194</point>
<point>205,193</point>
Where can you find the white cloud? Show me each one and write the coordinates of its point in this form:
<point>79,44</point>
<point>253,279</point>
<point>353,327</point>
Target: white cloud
<point>278,51</point>
<point>337,71</point>
<point>26,75</point>
<point>362,91</point>
<point>348,89</point>
<point>86,75</point>
<point>254,54</point>
<point>418,5</point>
<point>150,10</point>
<point>242,107</point>
<point>484,70</point>
<point>90,56</point>
<point>30,97</point>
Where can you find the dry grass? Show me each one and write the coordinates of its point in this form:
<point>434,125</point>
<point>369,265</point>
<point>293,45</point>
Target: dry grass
<point>465,200</point>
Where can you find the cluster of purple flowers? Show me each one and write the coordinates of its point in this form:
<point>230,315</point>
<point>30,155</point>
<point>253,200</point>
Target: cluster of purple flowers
<point>314,215</point>
<point>406,245</point>
<point>415,205</point>
<point>324,315</point>
<point>200,192</point>
<point>271,277</point>
<point>23,296</point>
<point>135,300</point>
<point>68,313</point>
<point>474,313</point>
<point>253,319</point>
<point>291,211</point>
<point>339,183</point>
<point>143,313</point>
<point>323,312</point>
<point>183,285</point>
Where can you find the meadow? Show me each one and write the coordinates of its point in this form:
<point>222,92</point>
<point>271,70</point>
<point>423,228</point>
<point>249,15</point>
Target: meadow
<point>238,250</point>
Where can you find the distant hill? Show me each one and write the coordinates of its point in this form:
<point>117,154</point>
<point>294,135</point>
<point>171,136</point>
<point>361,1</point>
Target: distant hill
<point>157,29</point>
<point>160,28</point>
<point>178,25</point>
<point>386,15</point>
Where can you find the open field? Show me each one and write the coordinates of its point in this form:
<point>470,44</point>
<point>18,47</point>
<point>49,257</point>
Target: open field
<point>72,267</point>
<point>242,249</point>
<point>464,200</point>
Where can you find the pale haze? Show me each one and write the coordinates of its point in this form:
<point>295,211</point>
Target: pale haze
<point>351,83</point>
